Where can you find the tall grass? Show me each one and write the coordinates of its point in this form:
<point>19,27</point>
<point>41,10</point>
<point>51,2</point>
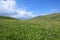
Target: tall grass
<point>26,30</point>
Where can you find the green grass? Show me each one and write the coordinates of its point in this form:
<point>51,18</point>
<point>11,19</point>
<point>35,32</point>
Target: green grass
<point>6,17</point>
<point>33,29</point>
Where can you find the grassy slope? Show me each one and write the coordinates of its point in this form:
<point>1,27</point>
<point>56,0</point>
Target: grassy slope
<point>5,17</point>
<point>51,17</point>
<point>34,29</point>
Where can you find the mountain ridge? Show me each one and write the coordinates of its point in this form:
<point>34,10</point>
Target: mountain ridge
<point>50,16</point>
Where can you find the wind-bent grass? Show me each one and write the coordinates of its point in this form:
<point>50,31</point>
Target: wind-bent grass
<point>34,29</point>
<point>26,30</point>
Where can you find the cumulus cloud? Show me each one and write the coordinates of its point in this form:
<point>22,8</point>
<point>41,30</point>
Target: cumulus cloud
<point>9,8</point>
<point>23,14</point>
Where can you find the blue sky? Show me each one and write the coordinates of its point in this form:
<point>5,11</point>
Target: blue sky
<point>25,9</point>
<point>40,6</point>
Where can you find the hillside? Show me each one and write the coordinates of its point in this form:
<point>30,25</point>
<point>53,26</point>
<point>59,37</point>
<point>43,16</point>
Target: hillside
<point>39,28</point>
<point>5,17</point>
<point>51,17</point>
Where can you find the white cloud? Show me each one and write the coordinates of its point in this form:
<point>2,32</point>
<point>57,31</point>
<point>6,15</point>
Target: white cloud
<point>55,10</point>
<point>9,8</point>
<point>24,14</point>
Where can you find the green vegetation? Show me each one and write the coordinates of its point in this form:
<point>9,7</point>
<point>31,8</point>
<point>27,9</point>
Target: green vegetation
<point>3,17</point>
<point>39,28</point>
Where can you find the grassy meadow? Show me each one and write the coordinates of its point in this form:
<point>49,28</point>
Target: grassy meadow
<point>39,28</point>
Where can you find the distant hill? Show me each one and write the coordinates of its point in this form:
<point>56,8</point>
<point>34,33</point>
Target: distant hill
<point>5,17</point>
<point>51,17</point>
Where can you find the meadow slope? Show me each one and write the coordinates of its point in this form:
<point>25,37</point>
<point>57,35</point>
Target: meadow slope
<point>39,28</point>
